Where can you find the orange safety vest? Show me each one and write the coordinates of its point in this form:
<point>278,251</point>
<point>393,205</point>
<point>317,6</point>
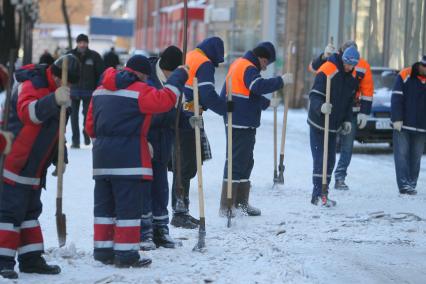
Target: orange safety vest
<point>236,73</point>
<point>194,59</point>
<point>366,85</point>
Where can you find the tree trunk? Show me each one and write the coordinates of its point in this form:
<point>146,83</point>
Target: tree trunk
<point>67,23</point>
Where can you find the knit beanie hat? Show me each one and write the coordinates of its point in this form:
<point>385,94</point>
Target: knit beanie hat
<point>171,58</point>
<point>140,64</point>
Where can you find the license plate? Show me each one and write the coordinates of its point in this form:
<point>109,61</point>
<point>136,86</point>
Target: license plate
<point>383,124</point>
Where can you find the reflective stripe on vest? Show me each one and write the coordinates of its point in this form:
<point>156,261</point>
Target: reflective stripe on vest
<point>237,70</point>
<point>194,59</point>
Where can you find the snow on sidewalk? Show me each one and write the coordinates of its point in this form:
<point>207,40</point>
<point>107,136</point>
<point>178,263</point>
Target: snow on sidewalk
<point>372,236</point>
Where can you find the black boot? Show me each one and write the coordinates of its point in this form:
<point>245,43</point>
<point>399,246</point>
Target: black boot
<point>182,220</point>
<point>8,273</point>
<point>147,243</point>
<point>408,191</point>
<point>38,265</point>
<point>241,201</point>
<point>163,239</point>
<point>142,262</point>
<point>223,210</point>
<point>193,219</point>
<point>86,138</point>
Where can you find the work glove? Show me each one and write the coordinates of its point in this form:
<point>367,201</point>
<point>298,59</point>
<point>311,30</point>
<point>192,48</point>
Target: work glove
<point>62,96</point>
<point>287,78</point>
<point>397,125</point>
<point>196,122</point>
<point>361,120</point>
<point>55,172</point>
<point>275,101</point>
<point>346,128</point>
<point>8,136</point>
<point>151,150</point>
<point>326,108</point>
<point>329,50</point>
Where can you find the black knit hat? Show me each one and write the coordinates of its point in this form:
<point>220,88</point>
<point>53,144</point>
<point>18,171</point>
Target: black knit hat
<point>140,64</point>
<point>73,68</point>
<point>82,37</point>
<point>265,50</point>
<point>171,58</point>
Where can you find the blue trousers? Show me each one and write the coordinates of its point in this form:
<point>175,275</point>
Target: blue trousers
<point>117,211</point>
<point>243,141</point>
<point>155,201</point>
<point>20,230</point>
<point>408,147</point>
<point>188,166</point>
<point>317,148</point>
<point>346,147</point>
<point>156,198</point>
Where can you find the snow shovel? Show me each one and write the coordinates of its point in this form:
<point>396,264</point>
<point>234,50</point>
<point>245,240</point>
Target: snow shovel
<point>281,167</point>
<point>324,188</point>
<point>200,246</point>
<point>60,216</point>
<point>229,183</point>
<point>275,144</point>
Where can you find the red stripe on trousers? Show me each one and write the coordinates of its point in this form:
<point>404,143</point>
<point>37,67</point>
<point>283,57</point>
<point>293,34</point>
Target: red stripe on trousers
<point>103,232</point>
<point>127,235</point>
<point>9,239</point>
<point>31,236</point>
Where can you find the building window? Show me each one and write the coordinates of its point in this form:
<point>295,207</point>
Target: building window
<point>415,22</point>
<point>370,19</point>
<point>397,35</point>
<point>348,20</point>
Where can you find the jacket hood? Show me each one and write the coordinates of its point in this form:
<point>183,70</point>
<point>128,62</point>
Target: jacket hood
<point>250,56</point>
<point>113,79</point>
<point>213,49</point>
<point>38,74</point>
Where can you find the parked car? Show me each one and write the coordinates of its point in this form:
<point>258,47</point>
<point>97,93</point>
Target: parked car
<point>379,126</point>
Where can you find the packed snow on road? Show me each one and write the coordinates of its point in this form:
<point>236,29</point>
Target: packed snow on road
<point>374,235</point>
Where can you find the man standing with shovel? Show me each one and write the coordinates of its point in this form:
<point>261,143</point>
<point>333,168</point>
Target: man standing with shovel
<point>330,117</point>
<point>250,94</point>
<point>34,121</point>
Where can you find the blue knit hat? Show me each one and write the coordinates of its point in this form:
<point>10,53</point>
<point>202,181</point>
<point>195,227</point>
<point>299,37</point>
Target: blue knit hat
<point>351,56</point>
<point>423,61</point>
<point>139,63</point>
<point>265,50</point>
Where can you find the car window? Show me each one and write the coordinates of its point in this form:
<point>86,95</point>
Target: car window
<point>384,79</point>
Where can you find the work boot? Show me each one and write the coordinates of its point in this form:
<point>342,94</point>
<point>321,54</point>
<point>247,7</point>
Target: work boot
<point>241,201</point>
<point>163,239</point>
<point>142,262</point>
<point>38,265</point>
<point>182,220</point>
<point>86,138</point>
<point>193,219</point>
<point>223,210</point>
<point>147,243</point>
<point>8,273</point>
<point>75,146</point>
<point>340,185</point>
<point>408,190</point>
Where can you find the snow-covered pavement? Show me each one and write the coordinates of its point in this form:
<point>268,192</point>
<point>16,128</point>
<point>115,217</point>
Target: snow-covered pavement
<point>372,236</point>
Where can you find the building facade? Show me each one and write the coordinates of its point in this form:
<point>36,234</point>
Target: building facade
<point>388,32</point>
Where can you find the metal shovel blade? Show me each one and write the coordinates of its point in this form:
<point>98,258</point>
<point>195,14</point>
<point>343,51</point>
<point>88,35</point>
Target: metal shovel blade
<point>61,224</point>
